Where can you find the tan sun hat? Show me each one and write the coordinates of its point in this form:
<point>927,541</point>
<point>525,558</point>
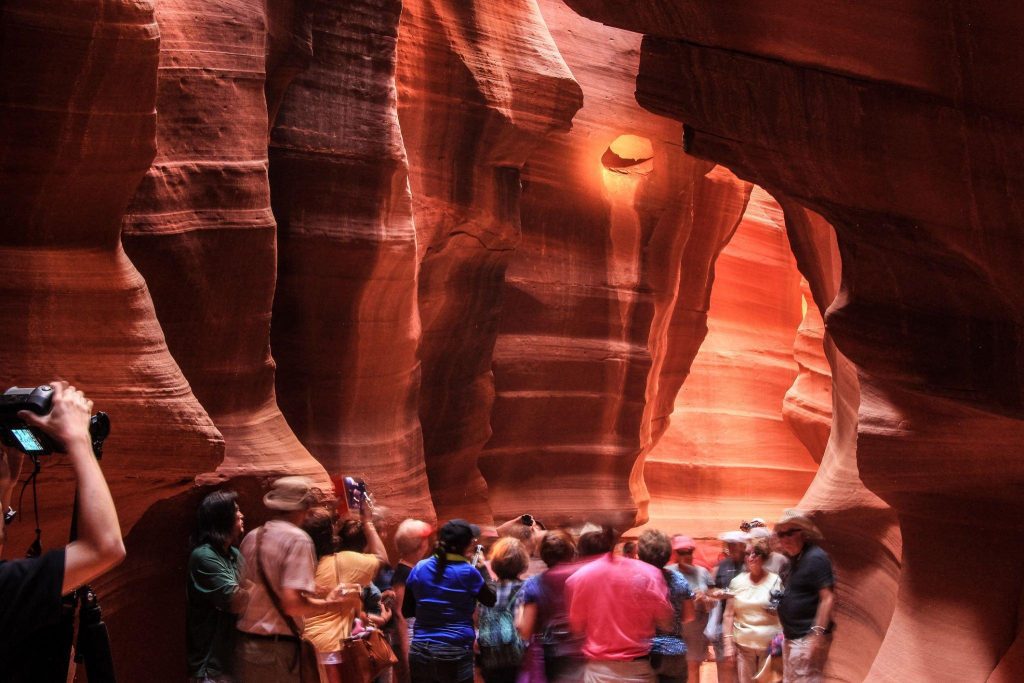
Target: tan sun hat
<point>799,519</point>
<point>289,494</point>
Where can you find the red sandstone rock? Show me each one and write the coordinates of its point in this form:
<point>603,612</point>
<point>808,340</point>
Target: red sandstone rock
<point>201,231</point>
<point>913,161</point>
<point>479,92</point>
<point>727,455</point>
<point>346,324</point>
<point>862,532</point>
<point>78,132</point>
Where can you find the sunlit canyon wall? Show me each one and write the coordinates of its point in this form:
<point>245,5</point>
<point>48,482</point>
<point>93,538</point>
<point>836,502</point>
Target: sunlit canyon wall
<point>406,241</point>
<point>899,126</point>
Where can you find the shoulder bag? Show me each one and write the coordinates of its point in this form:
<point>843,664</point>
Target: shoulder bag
<point>366,656</point>
<point>305,652</point>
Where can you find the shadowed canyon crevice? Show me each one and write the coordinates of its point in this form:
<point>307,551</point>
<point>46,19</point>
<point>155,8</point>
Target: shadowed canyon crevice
<point>666,262</point>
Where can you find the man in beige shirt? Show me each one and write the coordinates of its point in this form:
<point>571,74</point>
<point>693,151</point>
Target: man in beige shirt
<point>279,554</point>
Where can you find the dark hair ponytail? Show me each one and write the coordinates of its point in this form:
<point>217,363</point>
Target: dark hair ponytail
<point>440,555</point>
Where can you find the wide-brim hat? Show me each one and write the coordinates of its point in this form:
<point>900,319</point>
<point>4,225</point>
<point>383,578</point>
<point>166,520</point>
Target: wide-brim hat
<point>289,494</point>
<point>799,519</point>
<point>680,542</point>
<point>734,537</point>
<point>458,533</point>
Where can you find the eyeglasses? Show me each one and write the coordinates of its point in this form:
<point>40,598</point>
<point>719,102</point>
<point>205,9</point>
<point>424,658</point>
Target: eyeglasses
<point>753,554</point>
<point>787,533</point>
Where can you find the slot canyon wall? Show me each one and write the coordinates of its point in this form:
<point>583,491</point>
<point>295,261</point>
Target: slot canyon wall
<point>899,126</point>
<point>471,251</point>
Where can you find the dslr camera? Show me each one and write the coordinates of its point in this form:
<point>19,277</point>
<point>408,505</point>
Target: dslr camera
<point>15,433</point>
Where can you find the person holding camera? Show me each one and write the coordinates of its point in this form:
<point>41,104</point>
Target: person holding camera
<point>442,592</point>
<point>31,589</point>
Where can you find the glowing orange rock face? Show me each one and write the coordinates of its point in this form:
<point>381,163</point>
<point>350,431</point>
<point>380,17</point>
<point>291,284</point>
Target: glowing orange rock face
<point>727,455</point>
<point>909,150</point>
<point>605,297</point>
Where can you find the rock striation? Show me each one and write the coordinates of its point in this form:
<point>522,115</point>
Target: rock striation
<point>904,139</point>
<point>346,320</point>
<point>727,455</point>
<point>479,91</point>
<point>201,231</point>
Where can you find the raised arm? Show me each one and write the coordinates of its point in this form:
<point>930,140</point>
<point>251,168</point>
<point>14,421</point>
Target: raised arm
<point>99,546</point>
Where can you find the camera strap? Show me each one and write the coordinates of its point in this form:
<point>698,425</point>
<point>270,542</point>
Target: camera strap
<point>36,548</point>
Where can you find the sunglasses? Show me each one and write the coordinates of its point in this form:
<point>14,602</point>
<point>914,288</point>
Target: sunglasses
<point>753,554</point>
<point>787,533</point>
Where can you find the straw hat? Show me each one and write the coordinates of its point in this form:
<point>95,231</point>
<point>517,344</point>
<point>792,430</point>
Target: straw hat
<point>289,494</point>
<point>799,519</point>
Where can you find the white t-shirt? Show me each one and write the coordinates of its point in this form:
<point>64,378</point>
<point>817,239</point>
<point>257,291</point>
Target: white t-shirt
<point>289,561</point>
<point>753,624</point>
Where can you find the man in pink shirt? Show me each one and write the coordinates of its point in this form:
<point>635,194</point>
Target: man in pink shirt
<point>617,603</point>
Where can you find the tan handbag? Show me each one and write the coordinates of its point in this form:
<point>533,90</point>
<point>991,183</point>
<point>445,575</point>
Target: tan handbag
<point>366,656</point>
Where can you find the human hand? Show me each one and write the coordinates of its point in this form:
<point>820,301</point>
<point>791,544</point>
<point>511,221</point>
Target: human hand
<point>68,419</point>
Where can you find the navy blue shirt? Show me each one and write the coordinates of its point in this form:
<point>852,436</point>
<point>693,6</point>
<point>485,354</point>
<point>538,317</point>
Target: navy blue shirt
<point>445,604</point>
<point>808,573</point>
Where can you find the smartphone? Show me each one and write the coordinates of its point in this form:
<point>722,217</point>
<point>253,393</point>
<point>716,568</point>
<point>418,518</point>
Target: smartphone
<point>355,493</point>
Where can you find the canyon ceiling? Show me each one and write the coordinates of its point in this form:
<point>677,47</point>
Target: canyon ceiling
<point>657,262</point>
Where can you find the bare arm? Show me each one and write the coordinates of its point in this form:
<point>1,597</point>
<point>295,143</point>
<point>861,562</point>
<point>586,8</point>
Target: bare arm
<point>299,604</point>
<point>374,546</point>
<point>823,617</point>
<point>527,620</point>
<point>99,546</point>
<point>689,613</point>
<point>727,637</point>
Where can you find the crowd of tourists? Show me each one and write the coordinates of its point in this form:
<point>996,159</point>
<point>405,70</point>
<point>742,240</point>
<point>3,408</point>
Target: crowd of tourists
<point>312,595</point>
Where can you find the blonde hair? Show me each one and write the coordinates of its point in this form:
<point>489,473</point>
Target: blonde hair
<point>508,558</point>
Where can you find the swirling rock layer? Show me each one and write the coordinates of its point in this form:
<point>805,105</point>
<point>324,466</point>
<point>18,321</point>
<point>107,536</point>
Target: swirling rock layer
<point>903,138</point>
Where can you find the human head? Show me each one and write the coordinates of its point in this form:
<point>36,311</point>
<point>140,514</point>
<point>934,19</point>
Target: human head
<point>756,554</point>
<point>654,548</point>
<point>683,546</point>
<point>219,522</point>
<point>352,536</point>
<point>290,496</point>
<point>458,536</point>
<point>735,544</point>
<point>556,547</point>
<point>319,524</point>
<point>595,540</point>
<point>412,538</point>
<point>794,530</point>
<point>629,549</point>
<point>508,558</point>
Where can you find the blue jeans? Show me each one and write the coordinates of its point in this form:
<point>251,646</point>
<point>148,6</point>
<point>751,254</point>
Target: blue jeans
<point>433,662</point>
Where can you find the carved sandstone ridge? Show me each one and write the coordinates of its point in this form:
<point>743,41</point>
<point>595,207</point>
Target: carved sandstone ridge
<point>346,323</point>
<point>201,231</point>
<point>78,132</point>
<point>590,292</point>
<point>479,91</point>
<point>727,454</point>
<point>917,171</point>
<point>822,409</point>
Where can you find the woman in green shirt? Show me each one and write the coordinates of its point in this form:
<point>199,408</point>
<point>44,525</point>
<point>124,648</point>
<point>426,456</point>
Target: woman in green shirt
<point>214,594</point>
